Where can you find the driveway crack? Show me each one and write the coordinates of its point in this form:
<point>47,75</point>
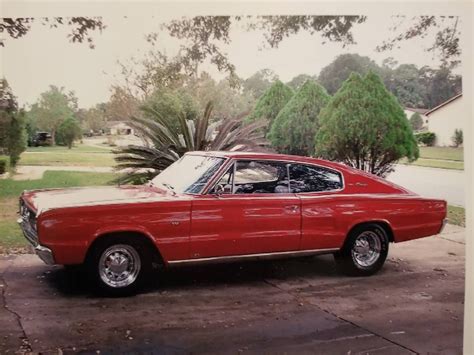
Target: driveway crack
<point>299,299</point>
<point>25,342</point>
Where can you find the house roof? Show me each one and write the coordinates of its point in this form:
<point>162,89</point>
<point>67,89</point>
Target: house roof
<point>443,104</point>
<point>421,111</point>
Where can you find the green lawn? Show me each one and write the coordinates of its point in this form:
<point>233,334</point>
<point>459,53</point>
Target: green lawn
<point>439,157</point>
<point>11,237</point>
<point>79,155</point>
<point>432,163</point>
<point>442,153</point>
<point>80,148</point>
<point>457,216</point>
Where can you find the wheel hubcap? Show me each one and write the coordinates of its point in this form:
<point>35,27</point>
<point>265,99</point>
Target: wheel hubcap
<point>119,265</point>
<point>366,249</point>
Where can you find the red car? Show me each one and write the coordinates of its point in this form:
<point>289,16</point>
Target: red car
<point>222,206</point>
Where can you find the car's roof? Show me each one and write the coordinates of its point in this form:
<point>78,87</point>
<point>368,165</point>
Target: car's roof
<point>267,156</point>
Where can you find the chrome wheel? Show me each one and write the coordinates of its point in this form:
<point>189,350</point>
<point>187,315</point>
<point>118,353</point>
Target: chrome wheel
<point>366,249</point>
<point>119,265</point>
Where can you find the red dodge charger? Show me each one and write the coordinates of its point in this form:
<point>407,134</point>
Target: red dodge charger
<point>225,206</point>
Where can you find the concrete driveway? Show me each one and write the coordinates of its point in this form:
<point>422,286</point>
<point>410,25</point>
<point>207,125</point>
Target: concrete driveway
<point>415,305</point>
<point>446,184</point>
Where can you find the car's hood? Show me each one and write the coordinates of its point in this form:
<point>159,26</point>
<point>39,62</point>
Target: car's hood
<point>43,200</point>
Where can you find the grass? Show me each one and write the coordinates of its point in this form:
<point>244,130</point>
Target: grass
<point>80,155</point>
<point>457,216</point>
<point>51,179</point>
<point>432,163</point>
<point>439,157</point>
<point>442,153</point>
<point>81,148</point>
<point>73,158</point>
<point>11,237</point>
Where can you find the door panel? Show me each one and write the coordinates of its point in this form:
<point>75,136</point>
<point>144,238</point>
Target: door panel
<point>244,224</point>
<point>319,221</point>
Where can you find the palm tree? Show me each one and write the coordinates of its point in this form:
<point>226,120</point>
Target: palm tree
<point>166,142</point>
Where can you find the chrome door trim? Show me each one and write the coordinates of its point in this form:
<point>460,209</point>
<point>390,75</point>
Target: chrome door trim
<point>261,256</point>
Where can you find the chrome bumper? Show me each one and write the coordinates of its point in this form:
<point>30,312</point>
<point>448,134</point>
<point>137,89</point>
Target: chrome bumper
<point>44,253</point>
<point>445,221</point>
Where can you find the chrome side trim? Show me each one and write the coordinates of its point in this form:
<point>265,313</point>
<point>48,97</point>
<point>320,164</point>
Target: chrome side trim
<point>262,256</point>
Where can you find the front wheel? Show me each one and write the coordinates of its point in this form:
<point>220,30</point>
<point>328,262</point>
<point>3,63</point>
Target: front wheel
<point>119,266</point>
<point>364,252</point>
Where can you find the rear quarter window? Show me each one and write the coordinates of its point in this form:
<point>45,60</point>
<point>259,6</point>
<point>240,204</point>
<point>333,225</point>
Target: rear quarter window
<point>311,178</point>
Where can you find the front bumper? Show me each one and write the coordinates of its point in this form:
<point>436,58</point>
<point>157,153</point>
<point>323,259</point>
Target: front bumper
<point>43,252</point>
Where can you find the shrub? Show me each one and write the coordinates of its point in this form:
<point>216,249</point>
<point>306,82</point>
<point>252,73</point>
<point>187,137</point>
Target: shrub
<point>295,126</point>
<point>365,127</point>
<point>457,137</point>
<point>271,103</point>
<point>416,121</point>
<point>3,165</point>
<point>68,132</point>
<point>426,138</point>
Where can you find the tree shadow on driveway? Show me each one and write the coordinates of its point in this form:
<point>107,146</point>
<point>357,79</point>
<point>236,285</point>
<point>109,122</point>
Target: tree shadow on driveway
<point>74,281</point>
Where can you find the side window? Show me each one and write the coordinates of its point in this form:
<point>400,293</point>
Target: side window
<point>308,178</point>
<point>260,177</point>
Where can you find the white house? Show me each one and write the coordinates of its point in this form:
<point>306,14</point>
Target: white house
<point>447,117</point>
<point>119,128</point>
<point>422,111</point>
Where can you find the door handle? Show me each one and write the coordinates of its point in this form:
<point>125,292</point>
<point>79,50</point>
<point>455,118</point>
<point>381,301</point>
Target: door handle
<point>292,208</point>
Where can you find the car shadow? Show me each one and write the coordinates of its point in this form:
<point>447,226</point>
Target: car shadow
<point>74,282</point>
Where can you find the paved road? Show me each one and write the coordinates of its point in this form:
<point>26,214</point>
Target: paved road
<point>415,305</point>
<point>446,184</point>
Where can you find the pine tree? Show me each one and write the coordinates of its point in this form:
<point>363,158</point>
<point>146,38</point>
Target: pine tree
<point>270,103</point>
<point>365,127</point>
<point>416,121</point>
<point>295,126</point>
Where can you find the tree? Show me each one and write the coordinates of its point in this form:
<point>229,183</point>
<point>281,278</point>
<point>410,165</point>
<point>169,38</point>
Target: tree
<point>441,85</point>
<point>334,74</point>
<point>53,107</point>
<point>416,121</point>
<point>365,127</point>
<point>69,131</point>
<point>446,40</point>
<point>229,100</point>
<point>299,80</point>
<point>457,137</point>
<point>270,103</point>
<point>404,82</point>
<point>80,27</point>
<point>259,82</point>
<point>122,105</point>
<point>166,142</point>
<point>203,36</point>
<point>94,119</point>
<point>17,137</point>
<point>170,104</point>
<point>295,126</point>
<point>13,136</point>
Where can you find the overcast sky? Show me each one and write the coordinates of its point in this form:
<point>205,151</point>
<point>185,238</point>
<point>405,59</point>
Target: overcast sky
<point>45,57</point>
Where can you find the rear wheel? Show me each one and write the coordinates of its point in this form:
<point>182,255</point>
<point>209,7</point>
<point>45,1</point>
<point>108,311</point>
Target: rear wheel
<point>119,265</point>
<point>364,252</point>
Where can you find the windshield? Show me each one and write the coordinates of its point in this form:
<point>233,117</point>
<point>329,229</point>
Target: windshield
<point>189,174</point>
